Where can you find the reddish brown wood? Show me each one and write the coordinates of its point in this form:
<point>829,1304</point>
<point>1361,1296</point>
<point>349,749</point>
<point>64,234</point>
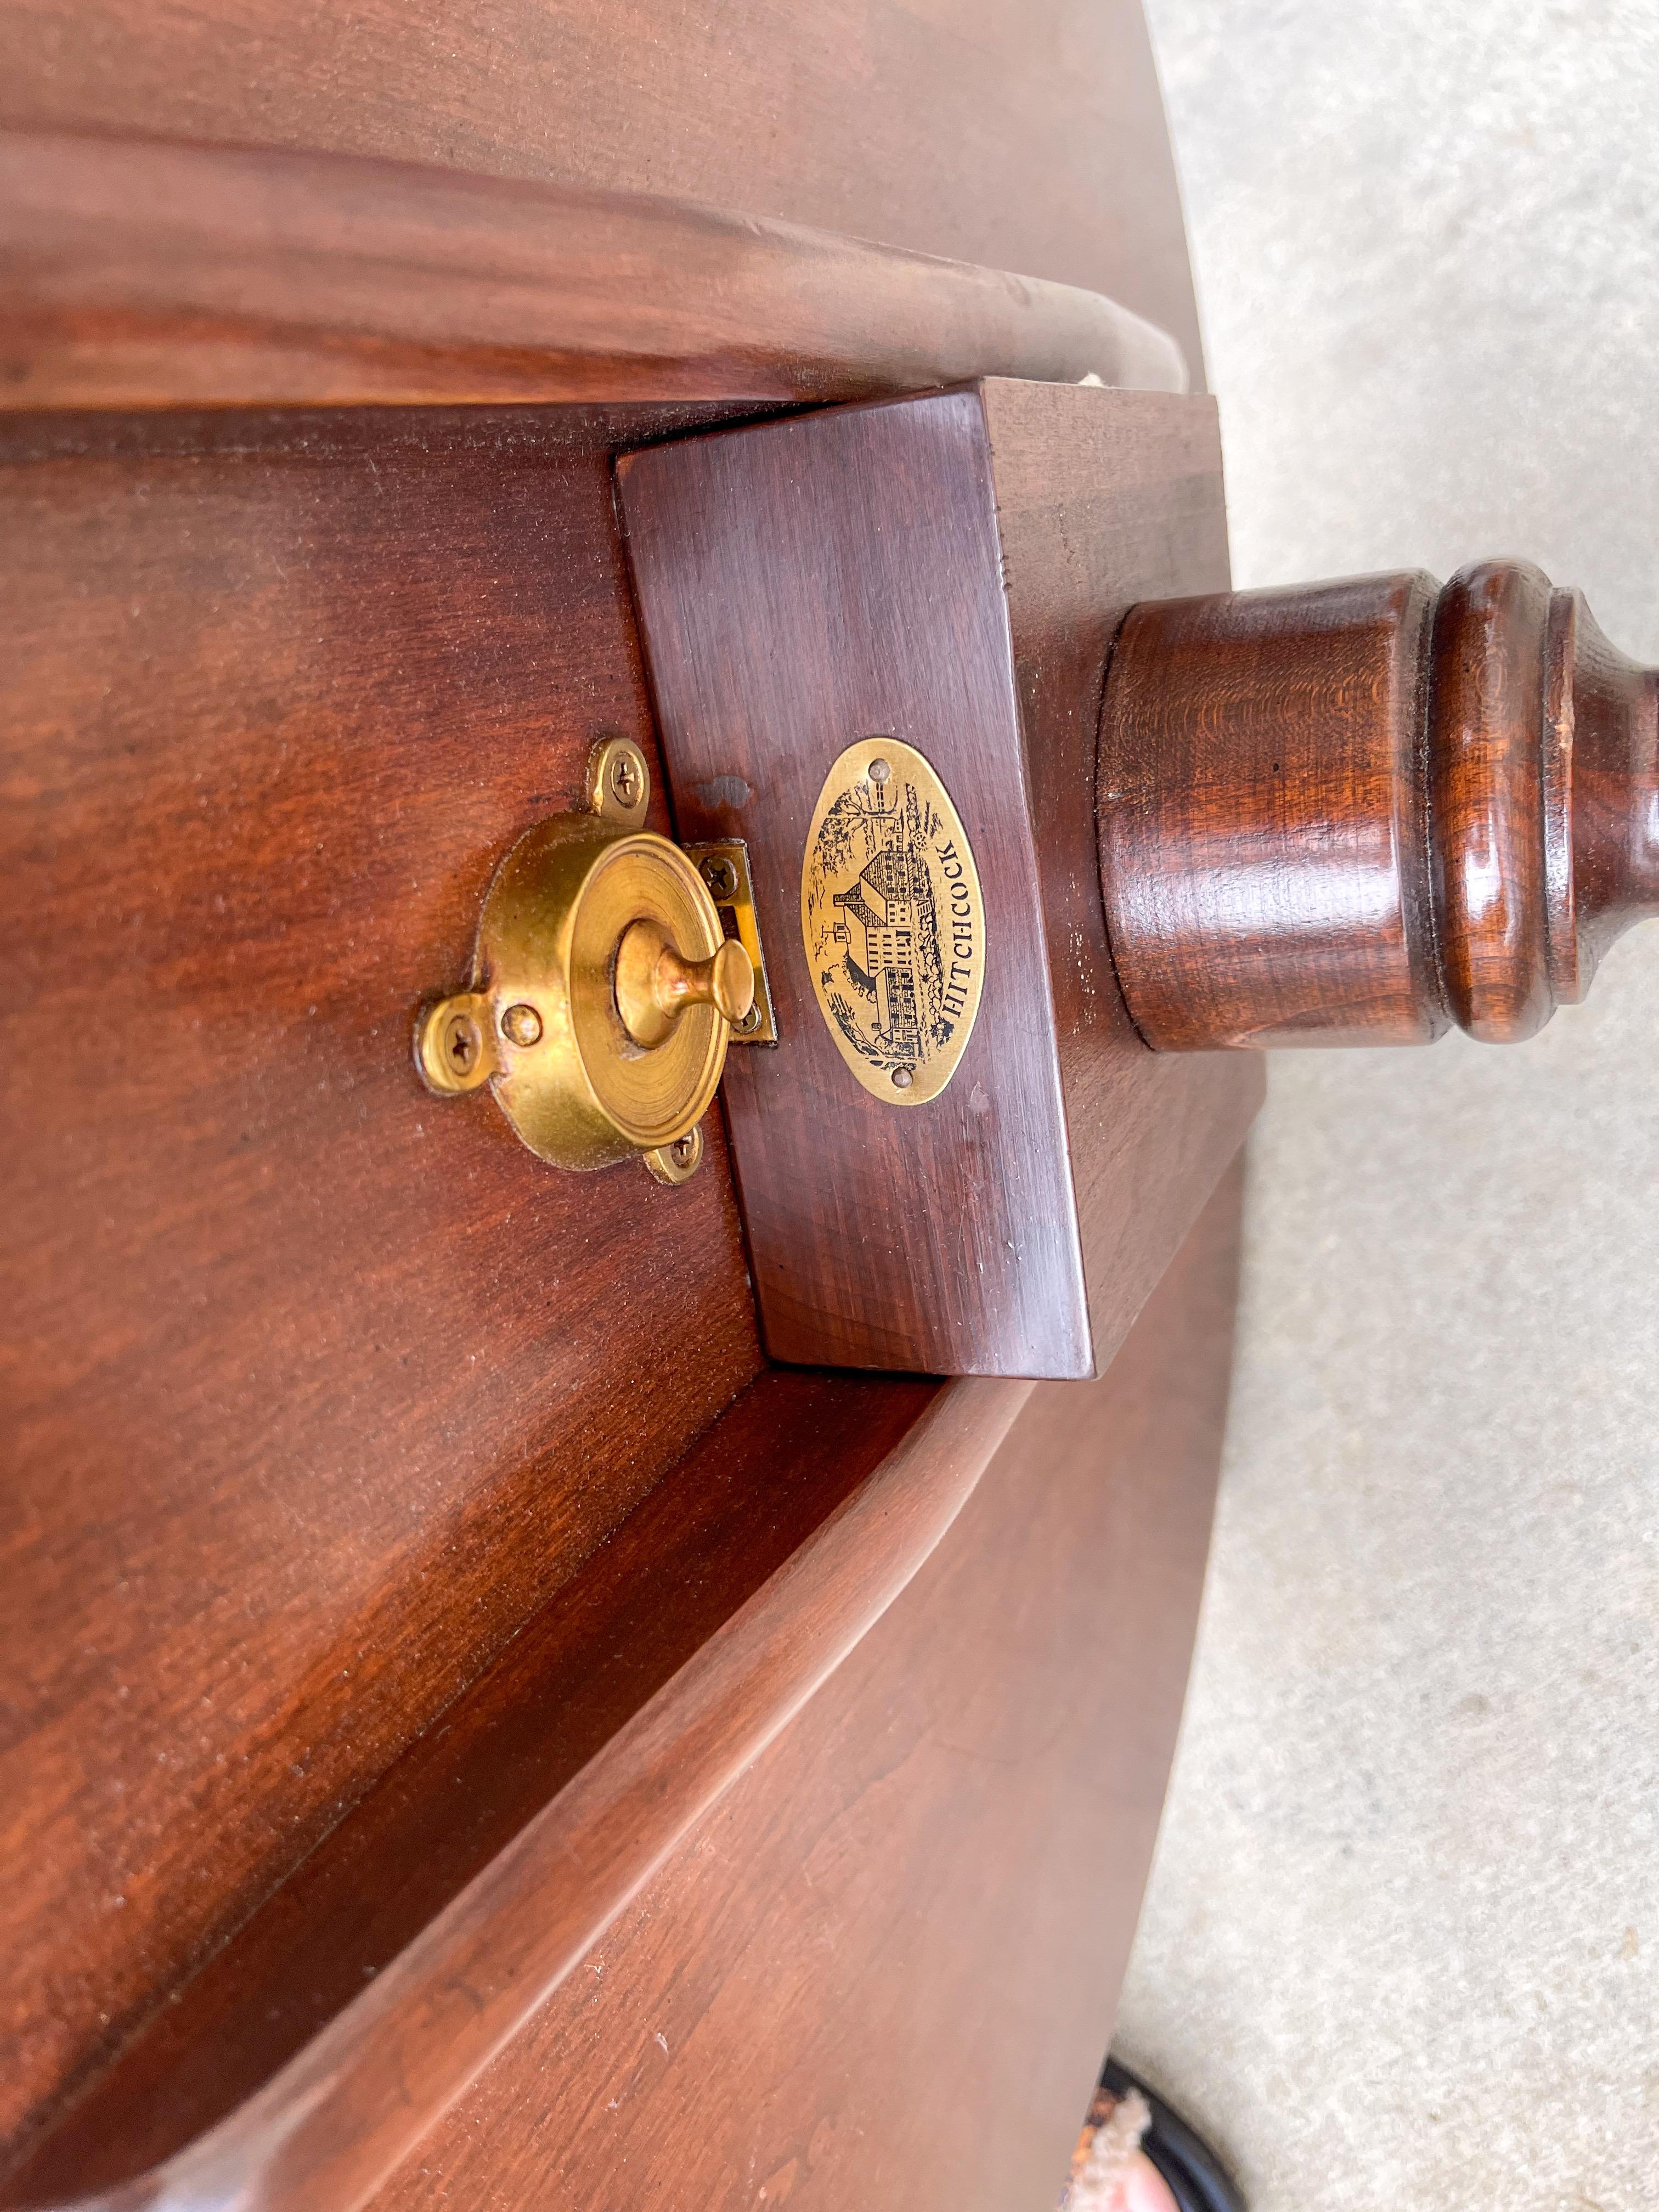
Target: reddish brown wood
<point>886,570</point>
<point>314,1389</point>
<point>1262,845</point>
<point>604,1780</point>
<point>1354,813</point>
<point>139,275</point>
<point>1544,752</point>
<point>883,1967</point>
<point>1601,794</point>
<point>314,1406</point>
<point>1098,506</point>
<point>1028,138</point>
<point>801,585</point>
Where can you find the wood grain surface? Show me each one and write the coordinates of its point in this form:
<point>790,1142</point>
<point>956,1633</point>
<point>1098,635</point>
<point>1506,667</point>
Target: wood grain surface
<point>392,1553</point>
<point>801,586</point>
<point>949,572</point>
<point>144,275</point>
<point>316,1386</point>
<point>1263,825</point>
<point>882,1970</point>
<point>1355,812</point>
<point>1028,138</point>
<point>1103,498</point>
<point>339,2026</point>
<point>1485,799</point>
<point>1601,794</point>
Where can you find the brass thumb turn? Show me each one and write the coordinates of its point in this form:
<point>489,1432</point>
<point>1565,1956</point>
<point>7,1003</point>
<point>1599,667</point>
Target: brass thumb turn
<point>604,989</point>
<point>655,983</point>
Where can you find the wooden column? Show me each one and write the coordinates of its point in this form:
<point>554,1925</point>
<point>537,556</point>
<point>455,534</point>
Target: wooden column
<point>1356,812</point>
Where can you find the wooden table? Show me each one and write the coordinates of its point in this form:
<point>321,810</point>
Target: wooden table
<point>478,1731</point>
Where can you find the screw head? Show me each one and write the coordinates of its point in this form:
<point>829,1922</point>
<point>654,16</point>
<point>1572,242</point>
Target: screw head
<point>903,1078</point>
<point>618,780</point>
<point>625,779</point>
<point>721,876</point>
<point>678,1162</point>
<point>521,1024</point>
<point>461,1043</point>
<point>455,1043</point>
<point>880,770</point>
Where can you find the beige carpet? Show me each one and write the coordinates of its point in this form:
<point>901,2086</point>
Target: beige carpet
<point>1401,1949</point>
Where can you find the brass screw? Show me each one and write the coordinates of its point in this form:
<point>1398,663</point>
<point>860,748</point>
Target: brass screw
<point>618,780</point>
<point>521,1024</point>
<point>678,1162</point>
<point>721,876</point>
<point>880,770</point>
<point>750,1022</point>
<point>903,1078</point>
<point>462,1043</point>
<point>625,779</point>
<point>455,1044</point>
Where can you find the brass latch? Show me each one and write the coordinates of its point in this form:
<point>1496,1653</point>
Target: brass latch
<point>605,987</point>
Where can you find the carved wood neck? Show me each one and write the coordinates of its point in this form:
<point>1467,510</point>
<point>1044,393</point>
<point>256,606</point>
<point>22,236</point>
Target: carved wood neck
<point>1354,813</point>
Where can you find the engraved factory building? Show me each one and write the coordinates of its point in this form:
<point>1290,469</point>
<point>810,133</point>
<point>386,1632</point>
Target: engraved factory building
<point>881,915</point>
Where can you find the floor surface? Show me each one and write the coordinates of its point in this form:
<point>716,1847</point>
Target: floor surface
<point>1401,1949</point>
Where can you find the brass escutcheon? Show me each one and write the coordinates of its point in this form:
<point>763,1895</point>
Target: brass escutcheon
<point>604,988</point>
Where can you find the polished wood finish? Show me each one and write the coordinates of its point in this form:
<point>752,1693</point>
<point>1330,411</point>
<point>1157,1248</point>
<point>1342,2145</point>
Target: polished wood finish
<point>407,1542</point>
<point>139,275</point>
<point>502,1859</point>
<point>892,570</point>
<point>882,1970</point>
<point>316,1388</point>
<point>1028,138</point>
<point>342,2024</point>
<point>1356,812</point>
<point>801,586</point>
<point>1544,753</point>
<point>1261,830</point>
<point>271,1398</point>
<point>1132,505</point>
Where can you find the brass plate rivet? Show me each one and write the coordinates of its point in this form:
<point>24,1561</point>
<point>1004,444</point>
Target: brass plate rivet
<point>678,1162</point>
<point>611,992</point>
<point>606,987</point>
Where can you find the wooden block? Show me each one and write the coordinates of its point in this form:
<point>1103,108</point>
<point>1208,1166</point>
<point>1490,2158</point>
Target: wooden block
<point>946,573</point>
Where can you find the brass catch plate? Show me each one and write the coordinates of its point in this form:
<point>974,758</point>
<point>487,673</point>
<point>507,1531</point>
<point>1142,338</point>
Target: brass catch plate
<point>724,868</point>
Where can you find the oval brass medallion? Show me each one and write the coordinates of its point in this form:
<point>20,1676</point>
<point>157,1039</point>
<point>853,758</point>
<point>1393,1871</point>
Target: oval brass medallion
<point>893,920</point>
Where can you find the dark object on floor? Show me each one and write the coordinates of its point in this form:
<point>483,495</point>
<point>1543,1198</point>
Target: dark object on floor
<point>1197,2179</point>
